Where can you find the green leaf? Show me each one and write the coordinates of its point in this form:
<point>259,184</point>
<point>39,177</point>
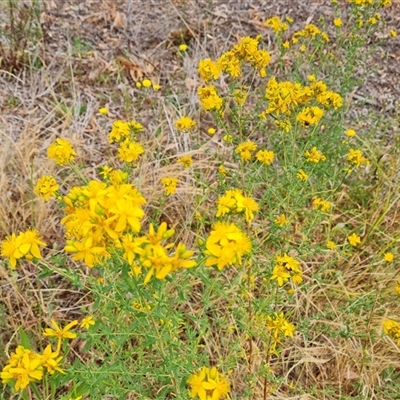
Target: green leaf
<point>24,339</point>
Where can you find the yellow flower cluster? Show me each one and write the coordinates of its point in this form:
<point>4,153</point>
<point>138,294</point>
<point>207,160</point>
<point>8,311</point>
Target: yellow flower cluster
<point>185,161</point>
<point>25,366</point>
<point>286,97</point>
<point>314,155</point>
<point>279,326</point>
<point>265,156</point>
<point>26,245</point>
<point>230,62</point>
<point>148,252</point>
<point>209,98</point>
<point>286,268</point>
<point>61,151</point>
<point>46,187</point>
<point>245,150</point>
<point>356,158</point>
<point>208,384</point>
<point>354,239</point>
<point>226,245</point>
<point>234,202</point>
<point>125,133</point>
<point>169,185</point>
<point>309,31</point>
<point>276,24</point>
<point>98,215</point>
<point>322,205</point>
<point>392,329</point>
<point>185,124</point>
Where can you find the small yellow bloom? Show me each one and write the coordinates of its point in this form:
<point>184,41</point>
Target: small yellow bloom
<point>303,48</point>
<point>281,220</point>
<point>393,33</point>
<point>211,131</point>
<point>388,257</point>
<point>186,161</point>
<point>331,245</point>
<point>337,22</point>
<point>286,44</point>
<point>103,111</point>
<point>156,87</point>
<point>138,85</point>
<point>169,185</point>
<point>354,239</point>
<point>61,151</point>
<point>146,83</point>
<point>183,47</point>
<point>222,170</point>
<point>185,124</point>
<point>351,133</point>
<point>228,138</point>
<point>265,156</point>
<point>87,322</point>
<point>311,78</point>
<point>301,175</point>
<point>46,187</point>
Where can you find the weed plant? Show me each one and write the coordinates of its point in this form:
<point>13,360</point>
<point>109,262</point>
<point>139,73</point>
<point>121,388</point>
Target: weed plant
<point>278,282</point>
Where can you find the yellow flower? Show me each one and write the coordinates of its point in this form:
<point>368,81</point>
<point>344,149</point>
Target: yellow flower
<point>265,156</point>
<point>245,150</point>
<point>209,98</point>
<point>393,33</point>
<point>186,161</point>
<point>356,158</point>
<point>276,24</point>
<point>209,69</point>
<point>130,151</point>
<point>183,47</point>
<point>228,138</point>
<point>354,239</point>
<point>286,44</point>
<point>311,78</point>
<point>314,156</point>
<point>24,366</point>
<point>321,204</point>
<point>281,220</point>
<point>303,48</point>
<point>103,111</point>
<point>301,175</point>
<point>351,133</point>
<point>10,247</point>
<point>61,151</point>
<point>185,124</point>
<point>388,257</point>
<point>138,85</point>
<point>146,83</point>
<point>211,131</point>
<point>156,87</point>
<point>331,245</point>
<point>310,116</point>
<point>30,242</point>
<point>280,274</point>
<point>337,22</point>
<point>392,329</point>
<point>222,170</point>
<point>59,333</point>
<point>169,185</point>
<point>208,384</point>
<point>50,360</point>
<point>87,322</point>
<point>46,187</point>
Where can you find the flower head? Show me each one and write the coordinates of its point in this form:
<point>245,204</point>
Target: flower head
<point>185,124</point>
<point>208,384</point>
<point>169,185</point>
<point>61,151</point>
<point>46,187</point>
<point>354,239</point>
